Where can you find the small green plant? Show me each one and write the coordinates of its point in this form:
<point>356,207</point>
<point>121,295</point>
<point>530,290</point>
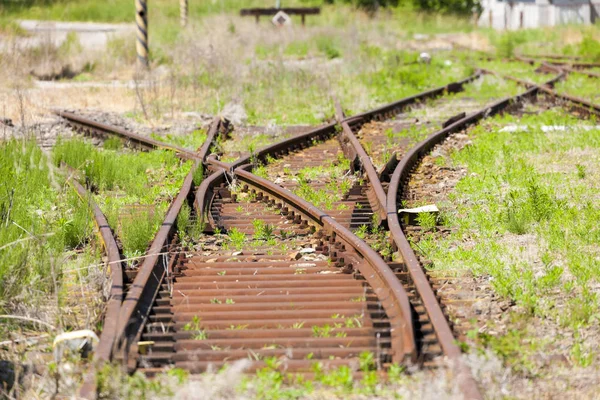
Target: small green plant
<point>238,327</point>
<point>396,372</point>
<point>113,143</point>
<point>236,237</point>
<point>426,220</point>
<point>322,331</point>
<point>263,231</point>
<point>366,361</point>
<point>193,325</point>
<point>581,355</point>
<point>581,173</point>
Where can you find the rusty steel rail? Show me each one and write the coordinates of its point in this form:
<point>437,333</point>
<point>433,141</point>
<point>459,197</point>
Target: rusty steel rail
<point>103,351</point>
<point>551,56</point>
<point>378,274</point>
<point>391,109</point>
<point>581,72</point>
<point>571,64</point>
<point>578,103</point>
<point>377,197</point>
<point>376,194</point>
<point>115,265</point>
<point>140,141</point>
<point>204,196</point>
<point>400,175</point>
<point>329,130</point>
<point>138,300</point>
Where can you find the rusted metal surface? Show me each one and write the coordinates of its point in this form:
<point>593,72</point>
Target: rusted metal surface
<point>560,63</point>
<point>377,273</point>
<point>142,293</point>
<point>578,103</point>
<point>204,197</point>
<point>378,200</point>
<point>253,288</point>
<point>389,110</point>
<point>580,71</point>
<point>115,266</point>
<point>222,290</point>
<point>130,138</point>
<point>219,127</point>
<point>155,267</point>
<point>103,351</point>
<point>400,175</point>
<point>329,130</point>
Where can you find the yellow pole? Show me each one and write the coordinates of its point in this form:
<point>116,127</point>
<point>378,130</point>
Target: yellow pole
<point>183,6</point>
<point>141,20</point>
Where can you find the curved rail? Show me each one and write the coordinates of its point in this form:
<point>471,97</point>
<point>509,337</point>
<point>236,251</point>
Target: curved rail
<point>156,266</point>
<point>115,265</point>
<point>329,130</point>
<point>378,274</point>
<point>103,351</point>
<point>139,140</point>
<point>400,175</point>
<point>378,203</point>
<point>582,105</point>
<point>560,63</point>
<point>580,71</point>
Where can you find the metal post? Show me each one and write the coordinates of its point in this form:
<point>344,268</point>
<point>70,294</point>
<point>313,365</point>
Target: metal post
<point>183,5</point>
<point>141,20</point>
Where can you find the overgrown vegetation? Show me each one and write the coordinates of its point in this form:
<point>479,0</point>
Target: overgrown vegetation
<point>528,211</point>
<point>41,218</point>
<point>336,176</point>
<point>134,190</point>
<point>192,140</point>
<point>581,86</point>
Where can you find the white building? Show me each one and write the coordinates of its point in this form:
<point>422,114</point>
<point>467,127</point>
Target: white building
<point>536,13</point>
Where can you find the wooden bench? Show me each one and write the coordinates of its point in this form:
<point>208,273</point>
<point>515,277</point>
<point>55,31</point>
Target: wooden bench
<point>258,12</point>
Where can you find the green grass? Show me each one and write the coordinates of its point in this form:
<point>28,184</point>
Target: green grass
<point>511,191</point>
<point>192,140</point>
<point>527,185</point>
<point>395,74</point>
<point>40,219</point>
<point>580,86</point>
<point>134,189</point>
<point>337,178</point>
<point>268,383</point>
<point>515,69</point>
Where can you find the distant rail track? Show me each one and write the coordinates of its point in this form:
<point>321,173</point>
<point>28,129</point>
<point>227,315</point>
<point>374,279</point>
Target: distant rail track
<point>294,281</point>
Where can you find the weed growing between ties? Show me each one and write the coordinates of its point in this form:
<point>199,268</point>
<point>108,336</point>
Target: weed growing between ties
<point>336,174</point>
<point>527,210</point>
<point>134,190</point>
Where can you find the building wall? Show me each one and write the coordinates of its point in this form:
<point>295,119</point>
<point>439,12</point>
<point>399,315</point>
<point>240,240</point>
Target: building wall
<point>501,15</point>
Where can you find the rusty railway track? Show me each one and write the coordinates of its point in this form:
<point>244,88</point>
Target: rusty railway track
<point>308,290</point>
